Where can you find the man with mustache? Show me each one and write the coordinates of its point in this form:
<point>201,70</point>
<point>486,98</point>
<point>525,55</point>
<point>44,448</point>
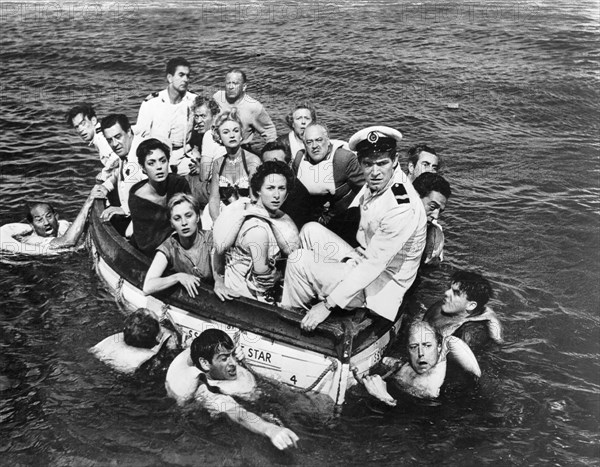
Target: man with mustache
<point>49,231</point>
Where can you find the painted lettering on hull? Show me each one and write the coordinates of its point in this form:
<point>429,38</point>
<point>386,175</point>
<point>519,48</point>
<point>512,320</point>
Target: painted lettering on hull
<point>259,355</point>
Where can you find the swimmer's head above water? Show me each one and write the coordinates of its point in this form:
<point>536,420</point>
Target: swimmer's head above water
<point>212,352</point>
<point>142,329</point>
<point>424,346</point>
<point>468,292</point>
<point>43,218</point>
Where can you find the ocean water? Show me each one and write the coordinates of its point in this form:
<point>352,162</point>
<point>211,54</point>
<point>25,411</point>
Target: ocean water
<point>521,152</point>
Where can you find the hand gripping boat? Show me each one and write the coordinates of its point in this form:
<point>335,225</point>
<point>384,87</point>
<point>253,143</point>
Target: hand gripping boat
<point>273,342</point>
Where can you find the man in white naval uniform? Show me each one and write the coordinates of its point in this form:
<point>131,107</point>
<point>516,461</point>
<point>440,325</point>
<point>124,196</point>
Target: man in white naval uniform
<point>391,240</point>
<point>168,115</point>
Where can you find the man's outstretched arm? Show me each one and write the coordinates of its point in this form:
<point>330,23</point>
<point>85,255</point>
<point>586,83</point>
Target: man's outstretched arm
<point>281,437</point>
<point>73,233</point>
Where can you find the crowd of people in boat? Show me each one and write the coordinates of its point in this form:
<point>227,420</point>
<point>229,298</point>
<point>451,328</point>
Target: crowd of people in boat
<point>307,222</point>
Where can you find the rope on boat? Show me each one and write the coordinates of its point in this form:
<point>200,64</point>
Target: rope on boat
<point>332,367</point>
<point>120,298</point>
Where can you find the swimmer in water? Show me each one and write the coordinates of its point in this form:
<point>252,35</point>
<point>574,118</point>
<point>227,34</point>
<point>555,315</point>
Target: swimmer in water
<point>49,231</point>
<point>208,372</point>
<point>465,302</point>
<point>424,373</point>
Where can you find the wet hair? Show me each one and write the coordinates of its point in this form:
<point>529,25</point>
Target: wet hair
<point>476,287</point>
<point>209,102</point>
<point>239,71</point>
<point>429,181</point>
<point>277,146</point>
<point>84,108</point>
<point>269,168</point>
<point>289,118</point>
<point>322,125</point>
<point>32,206</point>
<point>417,322</point>
<point>226,116</point>
<point>208,344</point>
<point>179,198</point>
<point>112,119</point>
<point>149,145</point>
<point>141,329</point>
<point>415,151</point>
<point>176,62</point>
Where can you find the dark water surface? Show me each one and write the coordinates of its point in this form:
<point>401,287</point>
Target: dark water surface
<point>521,153</point>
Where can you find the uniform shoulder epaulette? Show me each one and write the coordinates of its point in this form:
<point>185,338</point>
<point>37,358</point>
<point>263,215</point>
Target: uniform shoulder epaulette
<point>151,96</point>
<point>99,129</point>
<point>400,193</point>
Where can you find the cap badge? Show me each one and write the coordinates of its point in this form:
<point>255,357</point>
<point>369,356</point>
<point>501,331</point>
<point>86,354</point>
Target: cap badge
<point>372,137</point>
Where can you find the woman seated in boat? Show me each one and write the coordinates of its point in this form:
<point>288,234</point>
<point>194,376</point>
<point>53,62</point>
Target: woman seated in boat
<point>148,198</point>
<point>187,251</point>
<point>204,147</point>
<point>253,236</point>
<point>230,173</point>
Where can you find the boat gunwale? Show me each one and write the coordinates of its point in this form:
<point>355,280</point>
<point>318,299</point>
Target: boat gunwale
<point>327,339</point>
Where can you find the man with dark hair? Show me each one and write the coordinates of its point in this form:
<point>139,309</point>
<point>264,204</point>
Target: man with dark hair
<point>391,238</point>
<point>275,151</point>
<point>208,372</point>
<point>434,191</point>
<point>252,113</point>
<point>117,131</point>
<point>168,115</point>
<point>82,117</point>
<point>141,329</point>
<point>421,158</point>
<point>465,302</point>
<point>49,231</point>
<point>425,372</point>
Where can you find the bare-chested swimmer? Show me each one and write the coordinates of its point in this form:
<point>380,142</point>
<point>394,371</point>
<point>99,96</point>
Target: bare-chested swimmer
<point>423,375</point>
<point>208,372</point>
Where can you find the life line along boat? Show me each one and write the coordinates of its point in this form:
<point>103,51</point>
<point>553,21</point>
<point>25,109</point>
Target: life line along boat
<point>273,342</point>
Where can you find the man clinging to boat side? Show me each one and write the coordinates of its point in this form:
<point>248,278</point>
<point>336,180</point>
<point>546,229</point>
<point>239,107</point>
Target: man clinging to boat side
<point>391,239</point>
<point>424,373</point>
<point>168,115</point>
<point>208,372</point>
<point>119,134</point>
<point>421,159</point>
<point>49,231</point>
<point>251,112</point>
<point>465,301</point>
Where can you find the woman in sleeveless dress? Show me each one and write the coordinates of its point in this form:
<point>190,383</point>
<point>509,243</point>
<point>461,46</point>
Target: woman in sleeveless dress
<point>231,173</point>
